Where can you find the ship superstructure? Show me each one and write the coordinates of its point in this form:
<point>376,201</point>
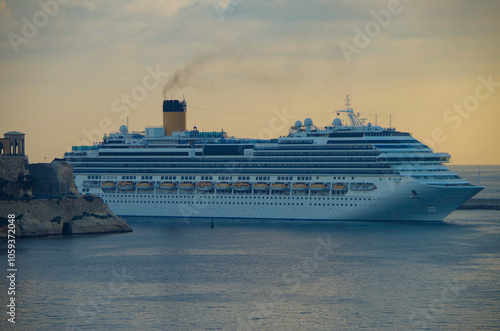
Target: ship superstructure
<point>342,171</point>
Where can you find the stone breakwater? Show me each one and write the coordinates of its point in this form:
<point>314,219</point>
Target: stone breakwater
<point>481,204</point>
<point>78,215</point>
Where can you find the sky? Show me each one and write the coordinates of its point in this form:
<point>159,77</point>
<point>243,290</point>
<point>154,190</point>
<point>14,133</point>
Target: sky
<point>72,71</point>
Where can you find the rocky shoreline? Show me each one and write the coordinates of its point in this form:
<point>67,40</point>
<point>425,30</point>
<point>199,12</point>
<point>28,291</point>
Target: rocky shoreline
<point>68,215</point>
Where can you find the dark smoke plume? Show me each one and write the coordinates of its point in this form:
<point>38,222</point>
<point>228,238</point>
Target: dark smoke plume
<point>183,76</point>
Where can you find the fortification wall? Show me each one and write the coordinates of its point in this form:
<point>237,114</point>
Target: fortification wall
<point>11,167</point>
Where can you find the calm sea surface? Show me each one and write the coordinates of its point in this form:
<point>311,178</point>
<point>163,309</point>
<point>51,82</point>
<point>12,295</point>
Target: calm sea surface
<point>485,175</point>
<point>176,274</point>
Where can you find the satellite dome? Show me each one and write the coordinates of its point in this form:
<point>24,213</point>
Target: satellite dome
<point>369,125</point>
<point>337,122</point>
<point>298,124</point>
<point>308,122</point>
<point>123,129</point>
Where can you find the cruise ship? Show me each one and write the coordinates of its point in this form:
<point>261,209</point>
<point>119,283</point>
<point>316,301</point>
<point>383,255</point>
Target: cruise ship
<point>344,171</point>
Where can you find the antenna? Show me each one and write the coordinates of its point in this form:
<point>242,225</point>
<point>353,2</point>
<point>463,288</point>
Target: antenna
<point>127,122</point>
<point>390,121</point>
<point>353,118</point>
<point>375,119</point>
<point>347,102</point>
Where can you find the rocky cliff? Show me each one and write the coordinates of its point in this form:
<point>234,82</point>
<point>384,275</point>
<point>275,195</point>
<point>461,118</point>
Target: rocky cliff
<point>78,215</point>
<point>66,213</point>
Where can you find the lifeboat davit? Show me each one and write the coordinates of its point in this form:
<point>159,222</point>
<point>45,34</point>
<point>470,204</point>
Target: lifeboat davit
<point>145,186</point>
<point>319,187</point>
<point>338,187</point>
<point>241,186</point>
<point>186,186</point>
<point>223,186</point>
<point>204,186</point>
<point>126,185</point>
<point>300,187</point>
<point>279,186</point>
<point>168,186</point>
<point>260,187</point>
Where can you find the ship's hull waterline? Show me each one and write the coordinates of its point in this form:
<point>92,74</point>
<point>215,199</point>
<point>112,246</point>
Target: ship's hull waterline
<point>391,202</point>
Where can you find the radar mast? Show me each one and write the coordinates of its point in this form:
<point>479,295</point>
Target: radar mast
<point>353,118</point>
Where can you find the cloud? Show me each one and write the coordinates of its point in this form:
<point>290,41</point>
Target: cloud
<point>162,7</point>
<point>99,48</point>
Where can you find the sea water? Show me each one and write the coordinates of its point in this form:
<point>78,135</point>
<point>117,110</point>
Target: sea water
<point>487,176</point>
<point>182,274</point>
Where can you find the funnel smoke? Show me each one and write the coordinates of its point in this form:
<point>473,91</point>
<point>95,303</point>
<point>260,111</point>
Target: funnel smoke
<point>183,76</point>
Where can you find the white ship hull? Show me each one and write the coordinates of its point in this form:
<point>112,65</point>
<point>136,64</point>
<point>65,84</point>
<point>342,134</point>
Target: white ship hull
<point>392,201</point>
